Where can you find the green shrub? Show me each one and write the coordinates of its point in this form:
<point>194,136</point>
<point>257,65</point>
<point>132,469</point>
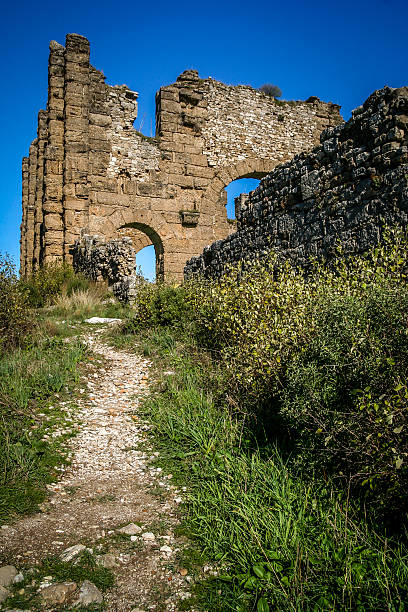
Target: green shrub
<point>15,320</point>
<point>346,392</point>
<point>323,357</point>
<point>158,305</point>
<point>52,280</point>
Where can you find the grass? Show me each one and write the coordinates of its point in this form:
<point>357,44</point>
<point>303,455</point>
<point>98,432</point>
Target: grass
<point>85,303</point>
<point>277,539</point>
<point>83,567</point>
<point>29,379</point>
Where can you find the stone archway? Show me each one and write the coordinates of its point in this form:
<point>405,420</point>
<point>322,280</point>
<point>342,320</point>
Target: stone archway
<point>249,168</point>
<point>109,175</point>
<point>152,238</point>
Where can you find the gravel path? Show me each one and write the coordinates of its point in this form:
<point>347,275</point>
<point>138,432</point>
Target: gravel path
<point>109,484</point>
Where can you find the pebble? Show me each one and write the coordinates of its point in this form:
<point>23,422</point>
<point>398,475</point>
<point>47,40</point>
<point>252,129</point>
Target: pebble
<point>7,575</point>
<point>89,594</point>
<point>57,594</point>
<point>69,553</point>
<point>148,536</point>
<point>131,529</point>
<point>108,560</point>
<point>18,578</point>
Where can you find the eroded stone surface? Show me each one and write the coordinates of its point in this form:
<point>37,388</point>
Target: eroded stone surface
<point>89,594</point>
<point>58,594</point>
<point>7,575</point>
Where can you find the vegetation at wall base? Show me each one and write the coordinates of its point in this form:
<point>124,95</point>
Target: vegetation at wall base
<point>284,415</point>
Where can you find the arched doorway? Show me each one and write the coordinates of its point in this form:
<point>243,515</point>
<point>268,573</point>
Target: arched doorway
<point>143,236</point>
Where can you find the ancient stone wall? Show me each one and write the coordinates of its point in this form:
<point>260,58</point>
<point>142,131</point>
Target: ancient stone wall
<point>89,170</point>
<point>111,263</point>
<point>344,191</point>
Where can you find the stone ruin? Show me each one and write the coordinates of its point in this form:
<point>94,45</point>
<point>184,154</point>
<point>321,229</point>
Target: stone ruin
<point>110,263</point>
<point>89,172</point>
<point>344,191</point>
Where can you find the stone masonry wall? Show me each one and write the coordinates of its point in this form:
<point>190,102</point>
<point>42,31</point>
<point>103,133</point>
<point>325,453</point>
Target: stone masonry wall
<point>89,171</point>
<point>110,262</point>
<point>344,191</point>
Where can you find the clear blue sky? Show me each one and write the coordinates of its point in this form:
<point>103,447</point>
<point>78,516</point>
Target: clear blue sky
<point>340,52</point>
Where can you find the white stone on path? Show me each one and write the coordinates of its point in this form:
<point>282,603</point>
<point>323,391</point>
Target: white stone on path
<point>97,320</point>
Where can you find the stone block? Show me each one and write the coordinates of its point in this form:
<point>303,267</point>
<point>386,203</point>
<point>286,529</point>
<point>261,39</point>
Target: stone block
<point>53,222</point>
<point>200,171</point>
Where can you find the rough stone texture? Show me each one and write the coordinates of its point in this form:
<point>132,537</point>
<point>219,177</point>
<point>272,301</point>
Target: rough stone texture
<point>7,575</point>
<point>4,593</point>
<point>90,170</point>
<point>110,262</point>
<point>344,191</point>
<point>89,594</point>
<point>58,594</point>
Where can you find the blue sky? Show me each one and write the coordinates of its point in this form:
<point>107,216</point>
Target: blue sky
<point>340,52</point>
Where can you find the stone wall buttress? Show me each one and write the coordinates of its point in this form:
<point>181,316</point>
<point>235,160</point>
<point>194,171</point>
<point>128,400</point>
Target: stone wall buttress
<point>54,157</point>
<point>23,238</point>
<point>76,139</point>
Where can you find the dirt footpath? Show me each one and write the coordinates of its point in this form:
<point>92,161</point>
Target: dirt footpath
<point>111,499</point>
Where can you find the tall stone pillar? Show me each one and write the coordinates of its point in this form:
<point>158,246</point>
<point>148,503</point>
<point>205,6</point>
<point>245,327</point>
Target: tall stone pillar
<point>39,192</point>
<point>76,137</point>
<point>32,180</point>
<point>23,243</point>
<point>54,157</point>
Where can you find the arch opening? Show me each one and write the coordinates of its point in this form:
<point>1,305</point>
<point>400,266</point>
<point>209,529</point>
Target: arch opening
<point>146,263</point>
<point>232,191</point>
<point>149,249</point>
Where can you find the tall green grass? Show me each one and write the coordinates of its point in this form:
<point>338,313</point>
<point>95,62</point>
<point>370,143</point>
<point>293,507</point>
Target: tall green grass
<point>280,541</point>
<point>29,377</point>
<point>286,419</point>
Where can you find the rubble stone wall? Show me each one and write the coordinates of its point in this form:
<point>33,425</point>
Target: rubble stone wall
<point>111,262</point>
<point>344,191</point>
<point>90,171</point>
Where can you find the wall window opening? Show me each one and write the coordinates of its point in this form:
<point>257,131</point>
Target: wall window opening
<point>146,263</point>
<point>234,189</point>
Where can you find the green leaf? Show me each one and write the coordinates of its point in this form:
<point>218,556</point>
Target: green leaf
<point>259,571</point>
<point>262,605</point>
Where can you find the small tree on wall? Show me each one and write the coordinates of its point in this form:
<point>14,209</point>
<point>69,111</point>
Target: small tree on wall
<point>271,90</point>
